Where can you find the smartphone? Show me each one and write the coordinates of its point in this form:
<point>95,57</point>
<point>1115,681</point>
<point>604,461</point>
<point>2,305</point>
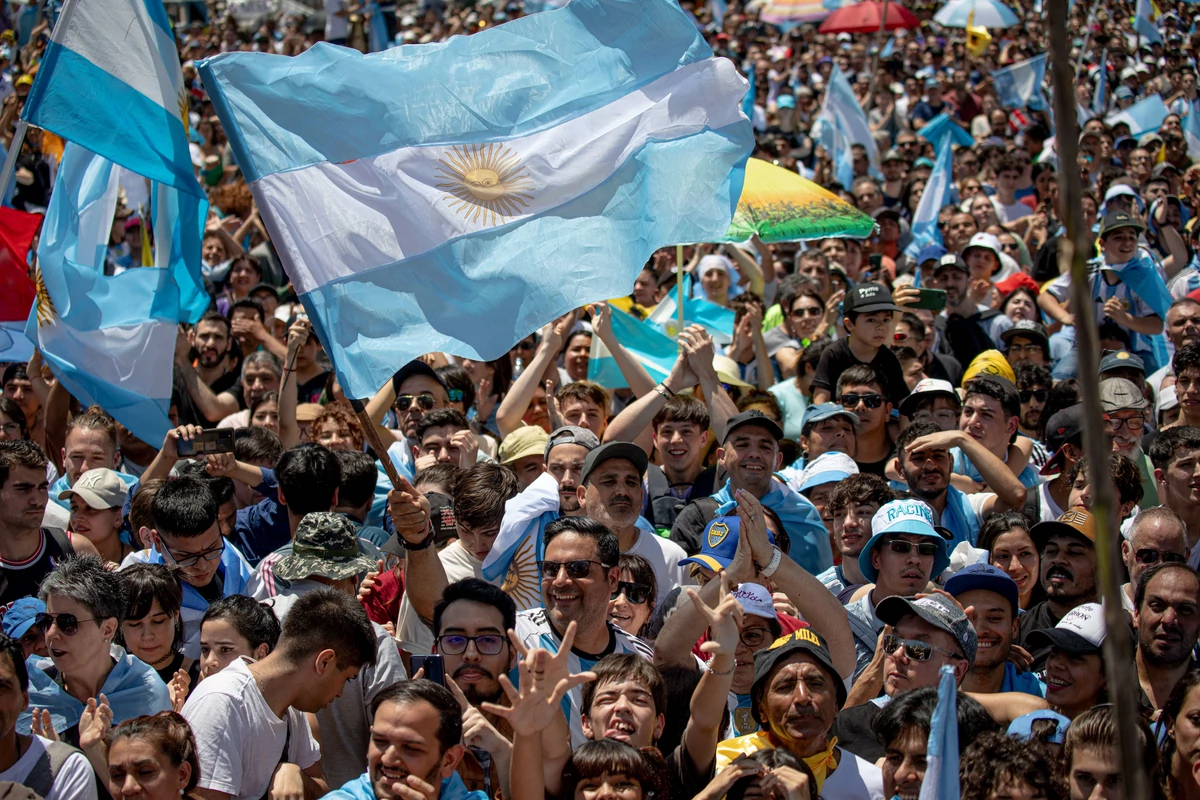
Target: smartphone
<point>932,299</point>
<point>435,668</point>
<point>218,440</point>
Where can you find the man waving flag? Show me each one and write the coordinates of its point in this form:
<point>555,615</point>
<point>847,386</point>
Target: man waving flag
<point>457,196</point>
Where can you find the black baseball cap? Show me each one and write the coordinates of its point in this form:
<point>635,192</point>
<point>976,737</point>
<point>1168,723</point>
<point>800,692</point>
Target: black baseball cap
<point>804,640</point>
<point>605,452</point>
<point>416,367</point>
<point>1065,427</point>
<point>949,261</point>
<point>1116,220</point>
<point>867,297</point>
<point>1029,329</point>
<point>753,417</point>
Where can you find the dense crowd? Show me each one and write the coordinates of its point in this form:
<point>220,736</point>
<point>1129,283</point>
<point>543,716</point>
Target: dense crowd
<point>742,580</point>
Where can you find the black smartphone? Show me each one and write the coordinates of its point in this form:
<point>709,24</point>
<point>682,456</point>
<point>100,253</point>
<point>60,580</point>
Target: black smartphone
<point>932,299</point>
<point>435,668</point>
<point>217,440</point>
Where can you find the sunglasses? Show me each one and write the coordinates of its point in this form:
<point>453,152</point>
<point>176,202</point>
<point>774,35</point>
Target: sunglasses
<point>868,400</point>
<point>489,644</point>
<point>811,311</point>
<point>576,570</point>
<point>1034,394</point>
<point>923,548</point>
<point>456,395</point>
<point>405,401</point>
<point>917,651</point>
<point>1148,555</point>
<point>67,623</point>
<point>636,593</point>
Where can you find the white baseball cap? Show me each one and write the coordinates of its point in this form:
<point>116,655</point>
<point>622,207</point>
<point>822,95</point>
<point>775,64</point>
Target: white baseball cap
<point>756,600</point>
<point>1080,632</point>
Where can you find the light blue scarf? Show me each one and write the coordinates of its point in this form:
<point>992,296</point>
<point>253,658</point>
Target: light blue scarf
<point>960,518</point>
<point>810,541</point>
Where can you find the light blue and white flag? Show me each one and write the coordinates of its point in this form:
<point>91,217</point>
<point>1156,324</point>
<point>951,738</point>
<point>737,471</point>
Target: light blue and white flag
<point>1145,17</point>
<point>1191,130</point>
<point>1143,116</point>
<point>889,47</point>
<point>1020,85</point>
<point>110,81</point>
<point>944,134</point>
<point>941,754</point>
<point>840,125</point>
<point>715,319</point>
<point>717,9</point>
<point>1099,97</point>
<point>111,340</point>
<point>649,346</point>
<point>518,547</point>
<point>521,173</point>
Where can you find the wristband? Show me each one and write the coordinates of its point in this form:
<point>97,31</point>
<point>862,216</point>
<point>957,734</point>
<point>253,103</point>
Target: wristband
<point>421,545</point>
<point>773,565</point>
<point>708,668</point>
<point>666,393</point>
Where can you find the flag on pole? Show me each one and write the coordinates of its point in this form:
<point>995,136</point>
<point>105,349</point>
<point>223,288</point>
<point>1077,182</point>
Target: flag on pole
<point>840,125</point>
<point>1099,99</point>
<point>652,348</point>
<point>111,340</point>
<point>1020,85</point>
<point>715,319</point>
<point>944,134</point>
<point>1142,117</point>
<point>1145,21</point>
<point>135,107</point>
<point>1191,130</point>
<point>941,754</point>
<point>442,217</point>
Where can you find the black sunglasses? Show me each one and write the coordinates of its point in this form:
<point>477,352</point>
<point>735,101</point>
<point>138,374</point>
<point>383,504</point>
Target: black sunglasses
<point>405,401</point>
<point>454,644</point>
<point>1034,394</point>
<point>636,593</point>
<point>1148,555</point>
<point>67,623</point>
<point>576,570</point>
<point>868,400</point>
<point>917,651</point>
<point>903,547</point>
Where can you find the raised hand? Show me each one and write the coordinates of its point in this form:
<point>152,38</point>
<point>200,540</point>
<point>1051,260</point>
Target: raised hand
<point>170,445</point>
<point>468,448</point>
<point>178,689</point>
<point>368,583</point>
<point>724,621</point>
<point>477,731</point>
<point>754,526</point>
<point>409,510</point>
<point>42,725</point>
<point>532,708</point>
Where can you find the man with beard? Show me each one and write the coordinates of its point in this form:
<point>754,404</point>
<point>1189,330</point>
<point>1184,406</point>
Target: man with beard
<point>203,389</point>
<point>1124,404</point>
<point>415,390</point>
<point>992,602</point>
<point>1033,387</point>
<point>469,625</point>
<point>611,493</point>
<point>1156,536</point>
<point>1176,458</point>
<point>1067,551</point>
<point>1183,328</point>
<point>924,457</point>
<point>415,747</point>
<point>1168,623</point>
<point>967,327</point>
<point>566,452</point>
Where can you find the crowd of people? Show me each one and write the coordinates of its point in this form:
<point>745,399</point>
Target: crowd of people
<point>743,580</point>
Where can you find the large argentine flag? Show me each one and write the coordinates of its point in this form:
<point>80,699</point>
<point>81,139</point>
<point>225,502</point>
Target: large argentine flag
<point>111,340</point>
<point>649,346</point>
<point>110,80</point>
<point>456,196</point>
<point>718,321</point>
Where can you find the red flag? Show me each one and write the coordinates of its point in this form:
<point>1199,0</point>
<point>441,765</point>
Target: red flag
<point>17,230</point>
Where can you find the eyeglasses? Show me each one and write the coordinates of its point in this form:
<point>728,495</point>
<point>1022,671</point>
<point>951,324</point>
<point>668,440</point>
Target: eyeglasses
<point>1148,556</point>
<point>404,401</point>
<point>811,311</point>
<point>754,637</point>
<point>917,651</point>
<point>193,559</point>
<point>636,593</point>
<point>67,623</point>
<point>1133,424</point>
<point>868,400</point>
<point>1034,394</point>
<point>455,395</point>
<point>489,644</point>
<point>923,548</point>
<point>576,570</point>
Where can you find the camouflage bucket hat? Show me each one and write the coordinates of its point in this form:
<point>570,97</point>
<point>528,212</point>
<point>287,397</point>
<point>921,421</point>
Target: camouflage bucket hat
<point>326,544</point>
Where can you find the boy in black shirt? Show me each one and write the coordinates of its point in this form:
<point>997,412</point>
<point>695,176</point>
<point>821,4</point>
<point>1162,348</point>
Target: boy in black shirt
<point>869,319</point>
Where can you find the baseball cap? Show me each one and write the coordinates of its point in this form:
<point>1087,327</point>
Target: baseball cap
<point>326,544</point>
<point>903,516</point>
<point>1121,190</point>
<point>923,162</point>
<point>985,241</point>
<point>606,452</point>
<point>1116,220</point>
<point>1028,329</point>
<point>1122,92</point>
<point>416,367</point>
<point>755,600</point>
<point>829,467</point>
<point>1022,726</point>
<point>1163,168</point>
<point>804,640</point>
<point>988,578</point>
<point>892,155</point>
<point>719,543</point>
<point>928,387</point>
<point>822,411</point>
<point>1077,522</point>
<point>99,488</point>
<point>884,211</point>
<point>867,297</point>
<point>932,252</point>
<point>20,616</point>
<point>1147,138</point>
<point>529,440</point>
<point>1121,359</point>
<point>951,261</point>
<point>1080,633</point>
<point>932,82</point>
<point>571,434</point>
<point>939,611</point>
<point>1120,394</point>
<point>752,417</point>
<point>1065,427</point>
<point>785,101</point>
<point>1168,398</point>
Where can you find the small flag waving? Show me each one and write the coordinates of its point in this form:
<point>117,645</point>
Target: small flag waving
<point>649,346</point>
<point>941,754</point>
<point>134,111</point>
<point>1020,85</point>
<point>1100,98</point>
<point>1144,21</point>
<point>1141,117</point>
<point>943,133</point>
<point>715,319</point>
<point>522,172</point>
<point>1191,130</point>
<point>842,124</point>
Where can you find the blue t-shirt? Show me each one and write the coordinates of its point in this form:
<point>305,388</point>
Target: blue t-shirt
<point>1026,682</point>
<point>1029,476</point>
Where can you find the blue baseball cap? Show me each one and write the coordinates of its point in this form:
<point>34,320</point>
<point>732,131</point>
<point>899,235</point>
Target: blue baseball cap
<point>932,252</point>
<point>829,467</point>
<point>988,578</point>
<point>903,516</point>
<point>923,162</point>
<point>20,615</point>
<point>1022,727</point>
<point>816,413</point>
<point>719,543</point>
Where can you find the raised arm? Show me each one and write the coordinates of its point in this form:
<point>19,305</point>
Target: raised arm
<point>424,576</point>
<point>632,371</point>
<point>289,429</point>
<point>634,421</point>
<point>709,697</point>
<point>699,347</point>
<point>214,407</point>
<point>1010,493</point>
<point>520,395</point>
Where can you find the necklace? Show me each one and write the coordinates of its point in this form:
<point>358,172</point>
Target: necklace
<point>164,660</point>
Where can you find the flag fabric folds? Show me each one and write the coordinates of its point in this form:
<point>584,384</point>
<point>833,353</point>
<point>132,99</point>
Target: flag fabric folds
<point>715,319</point>
<point>442,217</point>
<point>111,340</point>
<point>1020,85</point>
<point>1144,21</point>
<point>1099,98</point>
<point>649,346</point>
<point>1142,117</point>
<point>841,124</point>
<point>1191,130</point>
<point>134,111</point>
<point>944,134</point>
<point>941,754</point>
<point>518,547</point>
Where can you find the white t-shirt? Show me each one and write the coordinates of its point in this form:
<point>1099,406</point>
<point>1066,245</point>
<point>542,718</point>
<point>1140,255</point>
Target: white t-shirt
<point>1013,212</point>
<point>239,740</point>
<point>664,555</point>
<point>854,779</point>
<point>238,419</point>
<point>416,635</point>
<point>74,781</point>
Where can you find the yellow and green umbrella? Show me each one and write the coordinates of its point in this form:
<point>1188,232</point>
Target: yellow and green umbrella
<point>780,206</point>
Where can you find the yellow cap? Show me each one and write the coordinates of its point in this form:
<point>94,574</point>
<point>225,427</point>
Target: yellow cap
<point>527,441</point>
<point>990,362</point>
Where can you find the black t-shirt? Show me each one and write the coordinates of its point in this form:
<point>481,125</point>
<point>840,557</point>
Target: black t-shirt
<point>837,358</point>
<point>1038,617</point>
<point>688,529</point>
<point>23,579</point>
<point>854,733</point>
<point>684,779</point>
<point>662,505</point>
<point>310,391</point>
<point>189,412</point>
<point>876,467</point>
<point>967,337</point>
